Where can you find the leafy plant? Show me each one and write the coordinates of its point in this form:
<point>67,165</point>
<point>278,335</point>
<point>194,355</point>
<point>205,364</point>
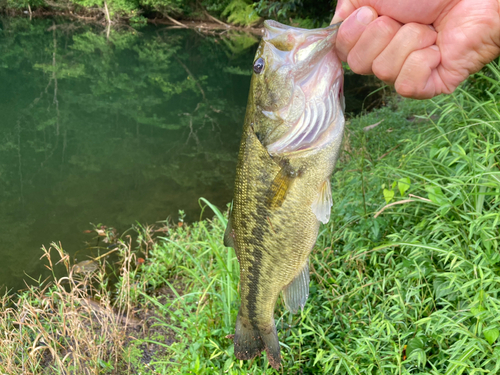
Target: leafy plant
<point>24,4</point>
<point>241,12</point>
<point>401,283</point>
<point>302,13</point>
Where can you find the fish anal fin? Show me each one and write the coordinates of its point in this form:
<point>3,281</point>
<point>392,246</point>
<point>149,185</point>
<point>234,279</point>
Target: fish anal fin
<point>322,205</point>
<point>280,186</point>
<point>295,294</point>
<point>250,341</point>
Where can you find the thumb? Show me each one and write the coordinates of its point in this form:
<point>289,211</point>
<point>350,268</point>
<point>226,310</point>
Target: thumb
<point>345,8</point>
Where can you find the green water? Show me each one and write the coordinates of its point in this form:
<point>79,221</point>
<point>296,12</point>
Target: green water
<point>114,130</point>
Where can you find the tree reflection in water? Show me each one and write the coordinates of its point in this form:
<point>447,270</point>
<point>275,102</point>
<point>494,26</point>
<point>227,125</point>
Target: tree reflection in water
<point>112,130</point>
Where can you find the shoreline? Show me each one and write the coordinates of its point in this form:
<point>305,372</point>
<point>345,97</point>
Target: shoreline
<point>398,278</point>
<point>208,23</point>
<point>175,302</point>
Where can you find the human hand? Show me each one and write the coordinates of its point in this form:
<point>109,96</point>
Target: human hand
<point>424,48</point>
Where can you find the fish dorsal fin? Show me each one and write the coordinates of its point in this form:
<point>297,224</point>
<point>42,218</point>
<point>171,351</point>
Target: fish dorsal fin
<point>322,205</point>
<point>229,234</point>
<point>295,294</point>
<point>279,187</point>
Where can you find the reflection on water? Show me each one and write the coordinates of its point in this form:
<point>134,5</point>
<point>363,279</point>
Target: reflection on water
<point>114,131</point>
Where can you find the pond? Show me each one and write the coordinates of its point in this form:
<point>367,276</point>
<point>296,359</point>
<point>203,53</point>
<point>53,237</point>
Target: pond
<point>115,129</point>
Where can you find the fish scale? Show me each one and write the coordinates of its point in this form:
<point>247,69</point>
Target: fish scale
<point>280,197</point>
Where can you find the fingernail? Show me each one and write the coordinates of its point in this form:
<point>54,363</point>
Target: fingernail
<point>434,47</point>
<point>364,16</point>
<point>431,27</point>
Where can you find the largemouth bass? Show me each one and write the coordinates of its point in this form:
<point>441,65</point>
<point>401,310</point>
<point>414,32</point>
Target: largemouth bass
<point>291,140</point>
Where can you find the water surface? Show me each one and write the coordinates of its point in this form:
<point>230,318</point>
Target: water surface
<point>130,128</point>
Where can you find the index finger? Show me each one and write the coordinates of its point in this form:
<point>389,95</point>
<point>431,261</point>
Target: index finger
<point>404,11</point>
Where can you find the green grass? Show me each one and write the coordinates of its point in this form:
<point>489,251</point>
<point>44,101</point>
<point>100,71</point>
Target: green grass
<point>413,291</point>
<point>405,278</point>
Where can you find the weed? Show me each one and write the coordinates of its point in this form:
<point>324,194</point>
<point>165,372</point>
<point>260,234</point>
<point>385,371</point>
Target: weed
<point>405,278</point>
<point>69,326</point>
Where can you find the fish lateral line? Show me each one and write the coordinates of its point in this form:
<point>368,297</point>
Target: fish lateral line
<point>271,224</point>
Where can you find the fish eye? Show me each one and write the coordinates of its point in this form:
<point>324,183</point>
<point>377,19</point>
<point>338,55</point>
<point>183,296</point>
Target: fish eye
<point>258,65</point>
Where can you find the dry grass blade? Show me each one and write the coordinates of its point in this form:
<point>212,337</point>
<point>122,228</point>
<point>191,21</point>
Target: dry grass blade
<point>61,326</point>
<point>401,202</point>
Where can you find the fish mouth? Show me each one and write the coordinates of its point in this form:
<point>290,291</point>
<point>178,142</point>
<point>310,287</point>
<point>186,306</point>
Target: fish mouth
<point>289,38</point>
<point>306,46</point>
<point>317,98</point>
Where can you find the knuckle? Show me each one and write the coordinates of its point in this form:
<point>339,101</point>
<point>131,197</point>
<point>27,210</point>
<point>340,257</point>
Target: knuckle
<point>357,64</point>
<point>349,33</point>
<point>417,59</point>
<point>416,35</point>
<point>411,80</point>
<point>385,26</point>
<point>342,46</point>
<point>345,33</point>
<point>383,71</point>
<point>406,89</point>
<point>413,29</point>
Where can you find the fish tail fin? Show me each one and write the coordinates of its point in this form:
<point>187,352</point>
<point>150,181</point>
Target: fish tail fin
<point>250,341</point>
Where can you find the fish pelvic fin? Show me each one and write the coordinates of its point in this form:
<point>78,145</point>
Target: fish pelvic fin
<point>295,294</point>
<point>250,341</point>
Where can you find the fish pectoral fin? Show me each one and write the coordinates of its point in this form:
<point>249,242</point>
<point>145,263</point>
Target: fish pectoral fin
<point>279,187</point>
<point>295,294</point>
<point>323,203</point>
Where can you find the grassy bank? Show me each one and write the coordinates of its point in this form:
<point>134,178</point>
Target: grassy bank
<point>405,278</point>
